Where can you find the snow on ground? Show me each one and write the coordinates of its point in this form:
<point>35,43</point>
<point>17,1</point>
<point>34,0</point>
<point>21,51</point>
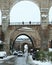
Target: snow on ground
<point>42,63</point>
<point>50,49</point>
<point>6,58</point>
<point>35,62</point>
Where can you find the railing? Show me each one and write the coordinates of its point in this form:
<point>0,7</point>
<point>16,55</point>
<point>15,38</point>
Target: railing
<point>25,23</point>
<point>28,23</point>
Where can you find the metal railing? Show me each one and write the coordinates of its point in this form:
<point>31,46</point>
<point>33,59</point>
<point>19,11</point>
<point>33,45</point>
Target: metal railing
<point>24,23</point>
<point>28,23</point>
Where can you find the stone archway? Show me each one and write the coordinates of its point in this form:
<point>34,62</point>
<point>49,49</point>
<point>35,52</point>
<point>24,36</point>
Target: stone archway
<point>21,44</point>
<point>33,34</point>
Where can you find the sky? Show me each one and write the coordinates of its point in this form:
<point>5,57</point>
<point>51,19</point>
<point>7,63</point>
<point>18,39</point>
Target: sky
<point>22,37</point>
<point>26,11</point>
<point>50,14</point>
<point>0,17</point>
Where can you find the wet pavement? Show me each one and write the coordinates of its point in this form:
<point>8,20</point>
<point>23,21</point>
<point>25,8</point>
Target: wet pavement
<point>15,61</point>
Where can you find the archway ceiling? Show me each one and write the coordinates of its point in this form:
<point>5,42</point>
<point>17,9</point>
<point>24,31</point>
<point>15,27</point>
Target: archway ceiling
<point>7,4</point>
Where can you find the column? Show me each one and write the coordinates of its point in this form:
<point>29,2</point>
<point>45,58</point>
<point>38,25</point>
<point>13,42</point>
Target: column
<point>44,26</point>
<point>44,18</point>
<point>5,24</point>
<point>5,20</point>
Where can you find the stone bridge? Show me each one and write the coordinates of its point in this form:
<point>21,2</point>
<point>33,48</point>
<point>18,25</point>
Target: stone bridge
<point>40,34</point>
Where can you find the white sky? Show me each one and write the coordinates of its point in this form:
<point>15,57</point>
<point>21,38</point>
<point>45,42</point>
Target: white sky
<point>22,37</point>
<point>0,17</point>
<point>50,14</point>
<point>25,11</point>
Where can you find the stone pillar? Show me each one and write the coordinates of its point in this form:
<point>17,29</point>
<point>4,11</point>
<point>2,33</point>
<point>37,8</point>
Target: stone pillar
<point>50,33</point>
<point>44,26</point>
<point>5,24</point>
<point>44,10</point>
<point>44,38</point>
<point>44,18</point>
<point>5,20</point>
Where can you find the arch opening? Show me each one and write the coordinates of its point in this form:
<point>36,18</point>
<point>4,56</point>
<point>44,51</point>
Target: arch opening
<point>20,41</point>
<point>50,15</point>
<point>25,11</point>
<point>0,18</point>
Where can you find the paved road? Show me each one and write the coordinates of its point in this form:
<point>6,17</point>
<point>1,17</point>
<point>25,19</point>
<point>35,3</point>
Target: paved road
<point>16,61</point>
<point>20,61</point>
